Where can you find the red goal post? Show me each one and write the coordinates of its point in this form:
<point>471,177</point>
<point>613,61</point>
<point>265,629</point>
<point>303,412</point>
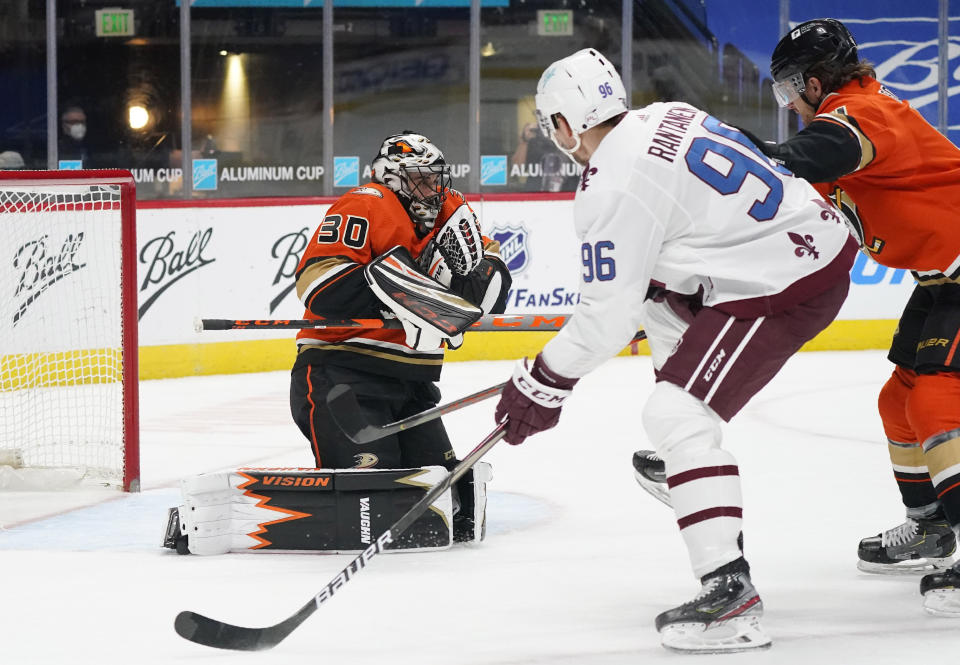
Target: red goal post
<point>68,327</point>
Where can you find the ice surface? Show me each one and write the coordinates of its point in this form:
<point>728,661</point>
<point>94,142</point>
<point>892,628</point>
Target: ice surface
<point>577,563</point>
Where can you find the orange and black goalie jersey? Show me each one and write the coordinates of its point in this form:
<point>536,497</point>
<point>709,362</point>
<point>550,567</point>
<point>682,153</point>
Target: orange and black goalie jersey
<point>896,177</point>
<point>361,225</point>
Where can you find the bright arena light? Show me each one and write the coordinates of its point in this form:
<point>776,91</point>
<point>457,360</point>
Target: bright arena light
<point>138,116</point>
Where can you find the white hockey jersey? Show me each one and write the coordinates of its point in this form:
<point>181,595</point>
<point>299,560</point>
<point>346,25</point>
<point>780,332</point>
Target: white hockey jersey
<point>672,197</point>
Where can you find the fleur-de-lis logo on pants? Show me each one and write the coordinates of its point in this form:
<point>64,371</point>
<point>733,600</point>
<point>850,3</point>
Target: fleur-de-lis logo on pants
<point>804,245</point>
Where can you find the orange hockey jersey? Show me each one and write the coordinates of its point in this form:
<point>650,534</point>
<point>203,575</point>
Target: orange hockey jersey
<point>364,223</point>
<point>904,194</point>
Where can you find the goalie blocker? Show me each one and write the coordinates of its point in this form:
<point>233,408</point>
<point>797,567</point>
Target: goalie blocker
<point>429,311</point>
<point>332,510</point>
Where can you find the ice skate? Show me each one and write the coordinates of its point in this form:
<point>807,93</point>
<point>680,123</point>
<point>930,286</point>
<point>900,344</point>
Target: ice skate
<point>724,617</point>
<point>649,471</point>
<point>917,546</point>
<point>941,592</point>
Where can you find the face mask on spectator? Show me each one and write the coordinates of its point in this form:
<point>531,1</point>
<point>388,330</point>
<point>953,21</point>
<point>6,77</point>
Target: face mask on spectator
<point>77,130</point>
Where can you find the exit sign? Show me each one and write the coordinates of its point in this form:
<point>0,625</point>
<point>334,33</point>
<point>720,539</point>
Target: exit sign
<point>555,22</point>
<point>114,22</point>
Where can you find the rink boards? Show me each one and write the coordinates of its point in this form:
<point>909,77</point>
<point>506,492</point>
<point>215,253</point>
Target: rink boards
<point>236,259</point>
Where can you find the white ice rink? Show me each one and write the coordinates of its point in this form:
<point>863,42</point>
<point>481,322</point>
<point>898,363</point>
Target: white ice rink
<point>577,563</point>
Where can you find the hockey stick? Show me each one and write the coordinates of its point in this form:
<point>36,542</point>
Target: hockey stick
<point>345,410</point>
<point>488,322</point>
<point>293,324</point>
<point>212,633</point>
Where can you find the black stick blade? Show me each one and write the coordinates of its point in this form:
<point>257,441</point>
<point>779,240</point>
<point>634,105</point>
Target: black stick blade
<point>212,633</point>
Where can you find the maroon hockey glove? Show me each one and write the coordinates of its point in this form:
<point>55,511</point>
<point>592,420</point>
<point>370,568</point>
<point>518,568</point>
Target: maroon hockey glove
<point>531,401</point>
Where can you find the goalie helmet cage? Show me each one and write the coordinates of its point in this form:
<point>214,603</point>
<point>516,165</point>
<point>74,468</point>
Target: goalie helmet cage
<point>68,325</point>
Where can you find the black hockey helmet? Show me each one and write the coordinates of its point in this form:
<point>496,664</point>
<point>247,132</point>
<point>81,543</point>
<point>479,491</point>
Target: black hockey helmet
<point>822,41</point>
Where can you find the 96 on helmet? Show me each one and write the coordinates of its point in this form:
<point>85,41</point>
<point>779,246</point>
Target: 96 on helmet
<point>411,166</point>
<point>824,42</point>
<point>585,89</point>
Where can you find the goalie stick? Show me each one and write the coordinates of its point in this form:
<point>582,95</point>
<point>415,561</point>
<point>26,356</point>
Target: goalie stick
<point>346,413</point>
<point>293,324</point>
<point>488,322</point>
<point>220,635</point>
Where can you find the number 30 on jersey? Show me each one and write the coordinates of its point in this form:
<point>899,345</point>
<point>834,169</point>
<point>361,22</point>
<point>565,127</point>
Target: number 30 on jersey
<point>597,262</point>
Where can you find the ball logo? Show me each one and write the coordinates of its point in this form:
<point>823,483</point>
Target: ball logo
<point>204,174</point>
<point>40,268</point>
<point>493,169</point>
<point>168,261</point>
<point>287,249</point>
<point>346,171</point>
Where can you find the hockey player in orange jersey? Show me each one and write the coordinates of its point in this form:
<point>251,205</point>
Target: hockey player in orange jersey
<point>410,220</point>
<point>898,181</point>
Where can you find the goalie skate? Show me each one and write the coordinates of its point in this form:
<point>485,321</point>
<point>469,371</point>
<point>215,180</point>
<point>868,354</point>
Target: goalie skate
<point>650,473</point>
<point>916,546</point>
<point>723,618</point>
<point>941,592</point>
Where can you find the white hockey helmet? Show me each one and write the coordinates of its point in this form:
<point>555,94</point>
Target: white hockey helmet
<point>584,88</point>
<point>413,168</point>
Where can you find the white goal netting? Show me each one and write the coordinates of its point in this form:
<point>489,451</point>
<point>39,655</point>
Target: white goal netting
<point>64,403</point>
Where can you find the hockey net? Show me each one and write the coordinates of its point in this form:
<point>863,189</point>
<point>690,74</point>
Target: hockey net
<point>68,329</point>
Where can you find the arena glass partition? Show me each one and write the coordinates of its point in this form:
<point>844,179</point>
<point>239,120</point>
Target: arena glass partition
<point>517,43</point>
<point>395,70</point>
<point>257,99</point>
<point>291,97</point>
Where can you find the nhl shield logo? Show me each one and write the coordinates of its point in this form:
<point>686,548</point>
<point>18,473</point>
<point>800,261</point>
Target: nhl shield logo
<point>513,247</point>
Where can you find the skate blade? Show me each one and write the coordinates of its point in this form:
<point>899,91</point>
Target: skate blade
<point>908,567</point>
<point>658,491</point>
<point>942,602</point>
<point>730,636</point>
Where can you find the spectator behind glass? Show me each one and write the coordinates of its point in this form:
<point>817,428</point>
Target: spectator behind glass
<point>73,135</point>
<point>544,163</point>
<point>11,161</point>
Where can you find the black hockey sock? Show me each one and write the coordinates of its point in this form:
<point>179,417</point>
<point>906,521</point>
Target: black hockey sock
<point>738,565</point>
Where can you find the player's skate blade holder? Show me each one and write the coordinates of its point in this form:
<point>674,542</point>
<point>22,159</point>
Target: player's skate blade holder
<point>648,469</point>
<point>730,636</point>
<point>942,603</point>
<point>941,592</point>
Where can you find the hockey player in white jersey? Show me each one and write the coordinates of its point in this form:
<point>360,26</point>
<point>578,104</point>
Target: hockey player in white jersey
<point>727,261</point>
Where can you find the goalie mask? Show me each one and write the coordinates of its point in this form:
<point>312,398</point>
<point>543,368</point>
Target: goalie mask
<point>414,169</point>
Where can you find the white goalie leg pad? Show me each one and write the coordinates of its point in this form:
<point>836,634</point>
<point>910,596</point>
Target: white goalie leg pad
<point>482,474</point>
<point>704,479</point>
<point>207,511</point>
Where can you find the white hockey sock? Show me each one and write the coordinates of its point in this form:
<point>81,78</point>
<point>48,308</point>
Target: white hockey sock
<point>707,501</point>
<point>704,480</point>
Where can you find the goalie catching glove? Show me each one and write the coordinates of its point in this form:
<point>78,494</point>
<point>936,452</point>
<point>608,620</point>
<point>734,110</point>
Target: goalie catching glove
<point>457,248</point>
<point>429,312</point>
<point>531,401</point>
<point>460,241</point>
